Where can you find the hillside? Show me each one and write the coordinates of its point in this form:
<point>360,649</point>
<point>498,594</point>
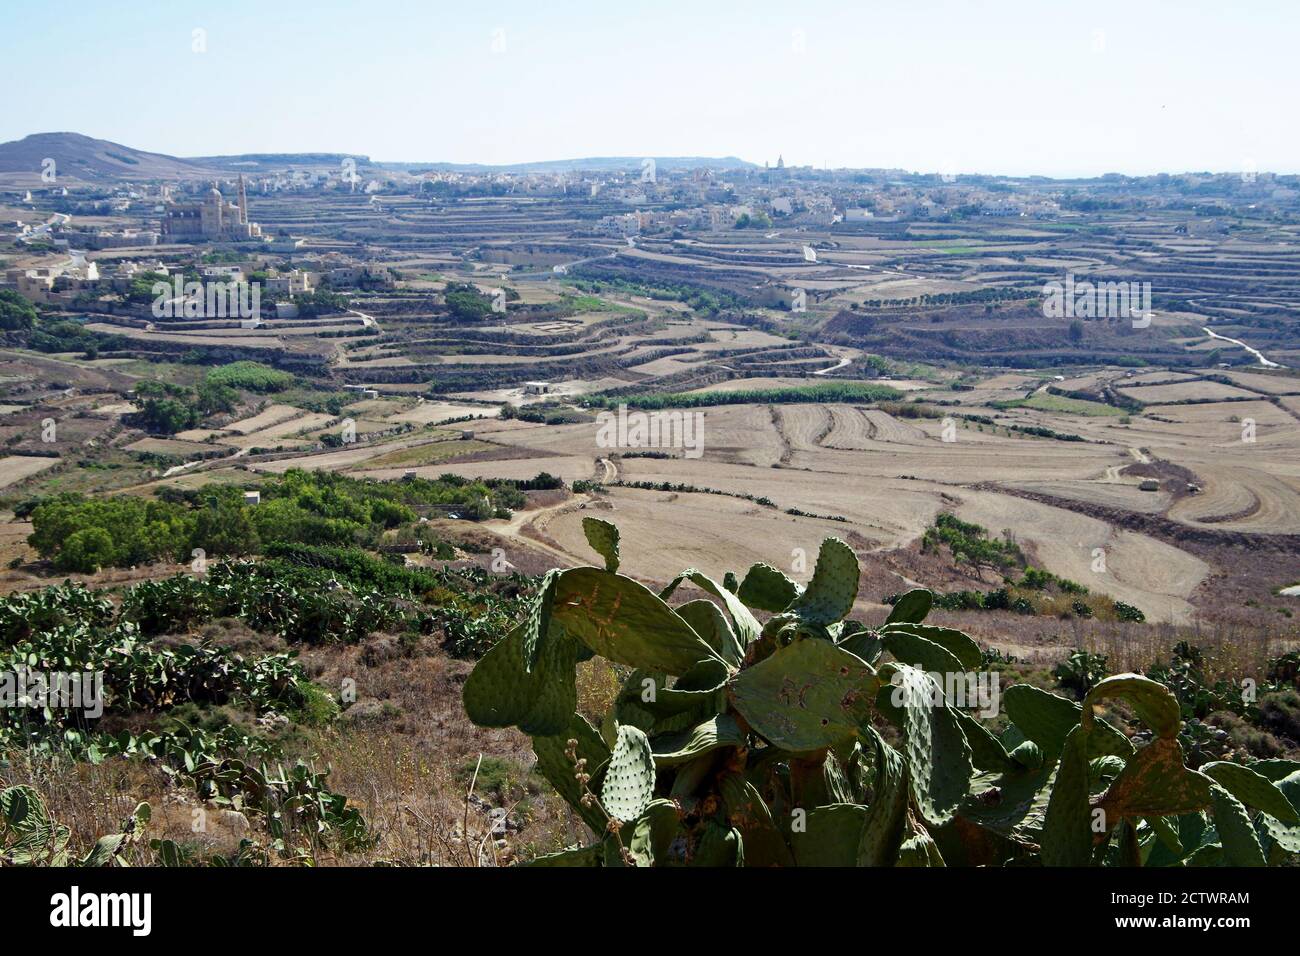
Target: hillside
<point>590,163</point>
<point>86,159</point>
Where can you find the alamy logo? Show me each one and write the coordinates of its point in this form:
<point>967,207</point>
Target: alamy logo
<point>1072,299</point>
<point>210,300</point>
<point>103,909</point>
<point>53,690</point>
<point>977,690</point>
<point>684,430</point>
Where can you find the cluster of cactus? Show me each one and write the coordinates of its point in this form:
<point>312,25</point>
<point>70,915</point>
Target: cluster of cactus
<point>813,740</point>
<point>29,836</point>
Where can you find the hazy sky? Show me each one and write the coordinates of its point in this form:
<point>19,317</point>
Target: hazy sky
<point>1015,87</point>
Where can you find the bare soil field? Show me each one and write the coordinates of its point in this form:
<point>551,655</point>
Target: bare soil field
<point>1185,392</point>
<point>269,416</point>
<point>168,446</point>
<point>14,468</point>
<point>428,413</point>
<point>1139,570</point>
<point>1269,384</point>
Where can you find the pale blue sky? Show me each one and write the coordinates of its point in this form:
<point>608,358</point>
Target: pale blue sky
<point>1014,87</point>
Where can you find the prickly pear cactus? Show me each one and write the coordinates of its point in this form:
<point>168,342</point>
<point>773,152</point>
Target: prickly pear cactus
<point>757,725</point>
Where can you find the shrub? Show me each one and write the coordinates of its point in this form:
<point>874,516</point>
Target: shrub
<point>1080,672</point>
<point>252,376</point>
<point>799,742</point>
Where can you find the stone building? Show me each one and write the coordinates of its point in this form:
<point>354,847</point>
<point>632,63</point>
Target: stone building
<point>214,219</point>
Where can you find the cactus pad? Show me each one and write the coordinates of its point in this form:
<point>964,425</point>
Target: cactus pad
<point>806,696</point>
<point>882,830</point>
<point>919,652</point>
<point>654,833</point>
<point>829,835</point>
<point>630,779</point>
<point>834,586</point>
<point>1153,702</point>
<point>603,538</point>
<point>935,750</point>
<point>708,621</point>
<point>554,764</point>
<point>743,623</point>
<point>1067,827</point>
<point>1236,832</point>
<point>621,620</point>
<point>767,589</point>
<point>1046,719</point>
<point>1252,789</point>
<point>502,692</point>
<point>1154,782</point>
<point>954,642</point>
<point>911,608</point>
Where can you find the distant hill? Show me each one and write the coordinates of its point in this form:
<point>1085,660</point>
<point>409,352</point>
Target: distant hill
<point>599,164</point>
<point>82,158</point>
<point>279,162</point>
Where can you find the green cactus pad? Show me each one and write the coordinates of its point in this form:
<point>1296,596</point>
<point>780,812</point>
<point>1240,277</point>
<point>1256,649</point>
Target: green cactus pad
<point>558,769</point>
<point>1167,834</point>
<point>573,856</point>
<point>806,696</point>
<point>829,836</point>
<point>1286,835</point>
<point>630,779</point>
<point>743,623</point>
<point>767,589</point>
<point>1067,835</point>
<point>918,847</point>
<point>691,775</point>
<point>537,626</point>
<point>987,752</point>
<point>1275,769</point>
<point>708,621</point>
<point>935,750</point>
<point>621,620</point>
<point>1042,717</point>
<point>882,831</point>
<point>1153,702</point>
<point>654,833</point>
<point>863,643</point>
<point>673,749</point>
<point>718,846</point>
<point>830,594</point>
<point>911,608</point>
<point>1028,755</point>
<point>1154,782</point>
<point>1046,719</point>
<point>649,693</point>
<point>1236,832</point>
<point>953,641</point>
<point>1252,789</point>
<point>602,535</point>
<point>502,692</point>
<point>919,652</point>
<point>1012,805</point>
<point>748,813</point>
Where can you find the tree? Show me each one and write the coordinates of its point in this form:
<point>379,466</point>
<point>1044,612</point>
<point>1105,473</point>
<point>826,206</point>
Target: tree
<point>166,416</point>
<point>86,551</point>
<point>224,528</point>
<point>15,312</point>
<point>1076,331</point>
<point>465,302</point>
<point>214,397</point>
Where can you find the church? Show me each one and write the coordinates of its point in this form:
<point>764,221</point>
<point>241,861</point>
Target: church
<point>213,220</point>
